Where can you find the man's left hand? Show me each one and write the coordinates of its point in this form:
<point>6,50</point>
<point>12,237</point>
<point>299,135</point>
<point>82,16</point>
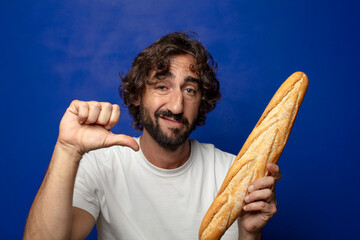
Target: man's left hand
<point>260,203</point>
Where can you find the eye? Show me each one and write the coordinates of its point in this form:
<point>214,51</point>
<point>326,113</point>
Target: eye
<point>161,87</point>
<point>190,91</point>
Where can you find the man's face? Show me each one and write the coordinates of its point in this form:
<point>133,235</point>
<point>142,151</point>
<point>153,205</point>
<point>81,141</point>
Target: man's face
<point>169,106</point>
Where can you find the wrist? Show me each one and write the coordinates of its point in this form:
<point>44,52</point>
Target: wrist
<point>249,236</point>
<point>68,152</point>
<point>246,235</point>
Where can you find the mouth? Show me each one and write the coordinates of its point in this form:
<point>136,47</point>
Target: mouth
<point>171,122</point>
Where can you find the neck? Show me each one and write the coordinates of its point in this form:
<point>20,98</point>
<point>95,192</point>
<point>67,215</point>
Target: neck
<point>162,157</point>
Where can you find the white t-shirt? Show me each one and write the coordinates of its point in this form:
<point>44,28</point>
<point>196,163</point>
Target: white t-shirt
<point>132,199</point>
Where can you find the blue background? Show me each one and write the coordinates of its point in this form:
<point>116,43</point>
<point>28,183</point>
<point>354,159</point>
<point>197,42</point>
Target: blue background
<point>52,52</point>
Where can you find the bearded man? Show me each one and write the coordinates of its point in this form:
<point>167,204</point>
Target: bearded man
<point>159,185</point>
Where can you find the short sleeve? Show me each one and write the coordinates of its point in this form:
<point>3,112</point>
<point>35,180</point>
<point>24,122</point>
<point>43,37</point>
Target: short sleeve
<point>223,163</point>
<point>87,187</point>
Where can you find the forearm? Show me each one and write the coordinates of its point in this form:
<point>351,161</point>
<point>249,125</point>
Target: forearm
<point>51,213</point>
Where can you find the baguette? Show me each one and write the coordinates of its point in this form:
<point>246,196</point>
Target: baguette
<point>264,144</point>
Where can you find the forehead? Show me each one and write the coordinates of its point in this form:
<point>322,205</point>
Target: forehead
<point>185,62</point>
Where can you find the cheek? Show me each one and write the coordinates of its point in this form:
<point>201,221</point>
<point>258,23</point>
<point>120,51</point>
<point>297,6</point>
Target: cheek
<point>154,103</point>
<point>193,109</point>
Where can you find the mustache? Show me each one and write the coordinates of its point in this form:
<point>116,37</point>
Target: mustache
<point>176,117</point>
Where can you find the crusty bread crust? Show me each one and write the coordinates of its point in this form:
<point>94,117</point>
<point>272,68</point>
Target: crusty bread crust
<point>264,144</point>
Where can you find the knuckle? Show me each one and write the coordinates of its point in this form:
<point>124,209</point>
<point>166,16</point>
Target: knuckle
<point>97,105</point>
<point>94,104</point>
<point>271,180</point>
<point>106,105</point>
<point>268,182</point>
<point>263,180</point>
<point>82,115</point>
<point>81,104</point>
<point>116,107</point>
<point>274,210</point>
<point>268,192</point>
<point>262,204</point>
<point>276,167</point>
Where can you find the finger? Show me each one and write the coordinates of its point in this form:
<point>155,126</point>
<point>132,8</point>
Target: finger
<point>114,118</point>
<point>266,195</point>
<point>94,112</point>
<point>262,183</point>
<point>80,109</point>
<point>269,209</point>
<point>274,171</point>
<point>256,206</point>
<point>104,114</point>
<point>123,140</point>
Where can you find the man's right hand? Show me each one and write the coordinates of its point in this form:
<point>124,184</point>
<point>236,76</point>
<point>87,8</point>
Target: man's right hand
<point>86,126</point>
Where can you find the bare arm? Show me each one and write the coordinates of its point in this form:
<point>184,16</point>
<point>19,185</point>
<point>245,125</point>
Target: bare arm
<point>82,224</point>
<point>85,126</point>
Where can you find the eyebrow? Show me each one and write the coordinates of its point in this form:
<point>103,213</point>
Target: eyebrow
<point>192,79</point>
<point>163,75</point>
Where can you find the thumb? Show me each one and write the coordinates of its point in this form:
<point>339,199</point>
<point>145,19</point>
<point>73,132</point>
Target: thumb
<point>274,170</point>
<point>123,140</point>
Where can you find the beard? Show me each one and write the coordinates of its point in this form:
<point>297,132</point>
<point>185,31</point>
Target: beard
<point>178,137</point>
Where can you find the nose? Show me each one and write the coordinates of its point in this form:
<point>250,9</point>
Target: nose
<point>175,102</point>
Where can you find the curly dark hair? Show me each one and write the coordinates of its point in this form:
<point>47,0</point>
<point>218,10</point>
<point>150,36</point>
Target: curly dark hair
<point>157,57</point>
